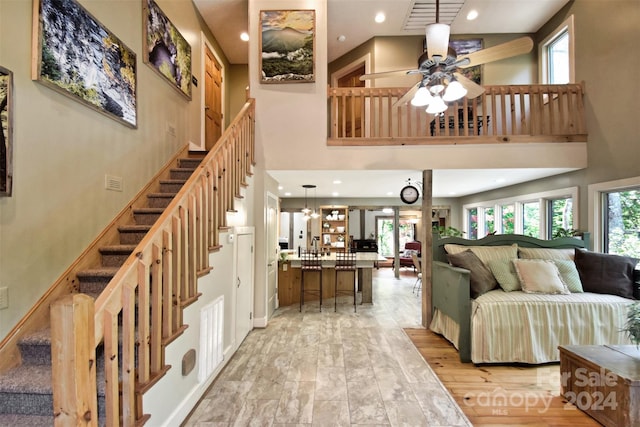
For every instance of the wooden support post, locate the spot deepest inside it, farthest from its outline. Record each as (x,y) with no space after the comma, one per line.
(427,245)
(73,356)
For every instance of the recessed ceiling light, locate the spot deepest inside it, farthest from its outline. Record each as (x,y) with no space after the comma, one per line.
(280,187)
(500,180)
(335,194)
(337,181)
(380,17)
(287,194)
(387,210)
(244,37)
(473,14)
(341,38)
(389,193)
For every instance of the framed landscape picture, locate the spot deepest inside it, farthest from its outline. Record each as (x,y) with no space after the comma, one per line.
(77,56)
(165,50)
(466,46)
(287,46)
(6,130)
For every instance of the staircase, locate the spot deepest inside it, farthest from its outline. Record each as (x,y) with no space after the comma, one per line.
(26,392)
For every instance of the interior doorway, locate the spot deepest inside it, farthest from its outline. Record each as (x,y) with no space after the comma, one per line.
(212,98)
(353,110)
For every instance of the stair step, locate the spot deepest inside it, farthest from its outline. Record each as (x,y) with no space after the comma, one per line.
(192,163)
(27,390)
(160,200)
(132,234)
(147,216)
(171,185)
(116,255)
(35,348)
(15,420)
(93,281)
(180,173)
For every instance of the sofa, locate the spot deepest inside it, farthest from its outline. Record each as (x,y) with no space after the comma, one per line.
(515,299)
(406,260)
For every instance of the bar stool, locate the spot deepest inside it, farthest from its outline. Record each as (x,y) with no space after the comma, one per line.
(345,261)
(418,266)
(310,262)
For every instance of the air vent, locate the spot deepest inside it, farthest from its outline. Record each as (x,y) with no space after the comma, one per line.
(113,183)
(423,12)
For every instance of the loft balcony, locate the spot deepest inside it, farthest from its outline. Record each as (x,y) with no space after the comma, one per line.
(502,114)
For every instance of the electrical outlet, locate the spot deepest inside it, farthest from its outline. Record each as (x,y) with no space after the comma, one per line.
(4,298)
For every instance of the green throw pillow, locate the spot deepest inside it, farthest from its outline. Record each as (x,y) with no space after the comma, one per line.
(505,274)
(569,274)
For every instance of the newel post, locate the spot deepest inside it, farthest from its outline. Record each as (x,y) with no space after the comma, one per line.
(74,361)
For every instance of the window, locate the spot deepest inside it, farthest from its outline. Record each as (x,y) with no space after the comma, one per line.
(537,215)
(531,219)
(622,222)
(556,54)
(560,216)
(384,226)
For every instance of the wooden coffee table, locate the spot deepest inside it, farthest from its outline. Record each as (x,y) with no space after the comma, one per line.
(603,381)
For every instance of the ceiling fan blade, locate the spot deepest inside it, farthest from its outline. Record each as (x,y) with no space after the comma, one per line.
(474,90)
(408,96)
(397,73)
(501,51)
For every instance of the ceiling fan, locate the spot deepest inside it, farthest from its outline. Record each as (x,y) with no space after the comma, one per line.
(441,82)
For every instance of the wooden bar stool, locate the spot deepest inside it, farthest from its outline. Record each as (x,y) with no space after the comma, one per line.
(310,262)
(345,261)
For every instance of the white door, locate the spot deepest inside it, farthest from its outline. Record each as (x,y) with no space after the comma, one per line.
(272,254)
(244,261)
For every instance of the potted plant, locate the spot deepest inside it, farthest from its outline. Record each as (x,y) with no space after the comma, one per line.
(632,327)
(447,231)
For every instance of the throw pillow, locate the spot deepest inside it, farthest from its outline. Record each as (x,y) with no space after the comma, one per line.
(481,280)
(539,276)
(485,253)
(505,273)
(606,273)
(569,274)
(545,253)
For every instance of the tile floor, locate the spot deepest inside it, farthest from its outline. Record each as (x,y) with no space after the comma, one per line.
(333,369)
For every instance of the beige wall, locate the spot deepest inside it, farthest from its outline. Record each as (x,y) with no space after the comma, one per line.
(62,150)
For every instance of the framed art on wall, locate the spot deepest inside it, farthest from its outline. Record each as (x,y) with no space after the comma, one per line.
(287,46)
(466,46)
(6,131)
(165,50)
(77,56)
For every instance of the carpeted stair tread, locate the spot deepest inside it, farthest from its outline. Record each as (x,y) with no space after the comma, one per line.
(162,195)
(31,379)
(173,181)
(15,420)
(148,210)
(100,272)
(134,228)
(120,249)
(35,348)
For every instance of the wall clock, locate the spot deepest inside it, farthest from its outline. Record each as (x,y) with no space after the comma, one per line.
(409,194)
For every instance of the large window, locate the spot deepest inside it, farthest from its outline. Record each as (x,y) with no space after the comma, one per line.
(384,227)
(622,222)
(541,215)
(556,54)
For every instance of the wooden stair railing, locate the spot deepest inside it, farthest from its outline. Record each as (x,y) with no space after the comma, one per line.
(516,113)
(140,310)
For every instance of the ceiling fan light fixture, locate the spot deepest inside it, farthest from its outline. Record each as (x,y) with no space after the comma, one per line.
(422,97)
(454,91)
(437,106)
(438,40)
(436,89)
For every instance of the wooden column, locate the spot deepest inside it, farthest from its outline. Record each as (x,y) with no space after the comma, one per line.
(73,360)
(427,245)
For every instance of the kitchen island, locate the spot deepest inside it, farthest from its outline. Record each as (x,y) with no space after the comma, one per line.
(289,278)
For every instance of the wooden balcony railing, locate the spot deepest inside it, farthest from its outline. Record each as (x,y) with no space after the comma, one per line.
(140,311)
(519,113)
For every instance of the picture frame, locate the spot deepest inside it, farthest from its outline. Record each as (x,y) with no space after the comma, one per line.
(287,46)
(77,56)
(6,132)
(166,51)
(464,47)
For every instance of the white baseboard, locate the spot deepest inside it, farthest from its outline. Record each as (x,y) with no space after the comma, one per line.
(185,407)
(260,322)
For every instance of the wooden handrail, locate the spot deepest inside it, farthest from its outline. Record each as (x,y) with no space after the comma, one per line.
(516,113)
(140,310)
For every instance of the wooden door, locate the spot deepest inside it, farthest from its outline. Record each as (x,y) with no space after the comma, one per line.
(353,110)
(212,99)
(244,273)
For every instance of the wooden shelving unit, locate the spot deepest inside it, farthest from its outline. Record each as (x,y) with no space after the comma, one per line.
(334,227)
